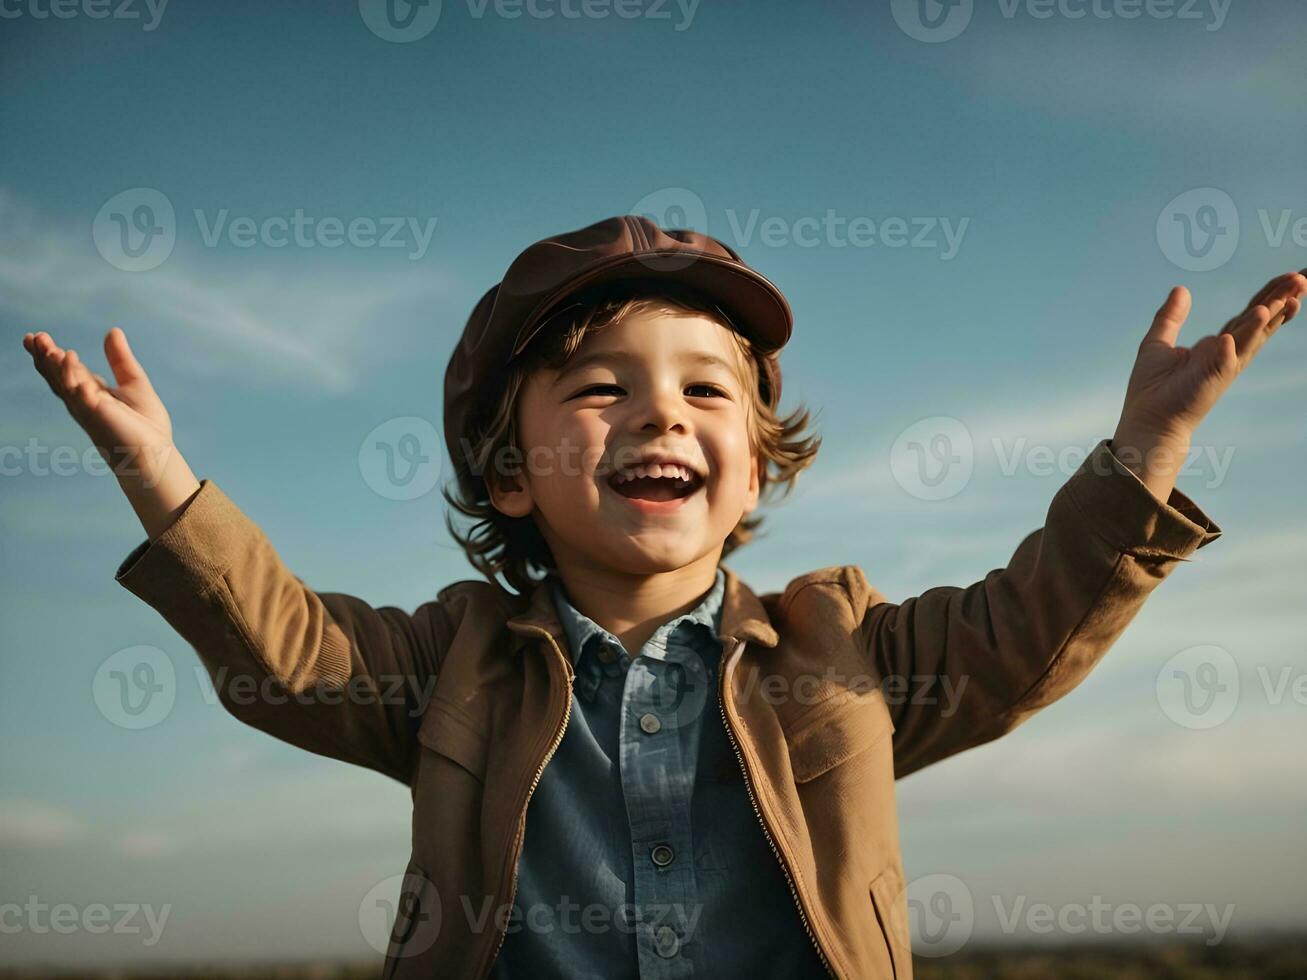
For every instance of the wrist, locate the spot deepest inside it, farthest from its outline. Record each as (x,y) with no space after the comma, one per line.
(1154,458)
(158,485)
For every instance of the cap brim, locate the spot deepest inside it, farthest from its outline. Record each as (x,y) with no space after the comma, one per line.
(756,307)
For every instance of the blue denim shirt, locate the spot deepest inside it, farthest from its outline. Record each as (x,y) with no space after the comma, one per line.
(643,856)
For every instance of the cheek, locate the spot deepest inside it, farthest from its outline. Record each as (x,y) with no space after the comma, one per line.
(734,459)
(565,452)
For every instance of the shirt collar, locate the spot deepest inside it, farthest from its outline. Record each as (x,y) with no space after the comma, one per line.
(742,616)
(580,629)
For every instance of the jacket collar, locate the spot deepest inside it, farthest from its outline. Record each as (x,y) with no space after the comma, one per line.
(742,617)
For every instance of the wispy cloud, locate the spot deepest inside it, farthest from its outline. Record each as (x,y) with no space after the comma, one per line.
(35,823)
(299,328)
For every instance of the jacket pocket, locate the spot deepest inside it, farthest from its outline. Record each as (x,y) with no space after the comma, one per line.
(891,915)
(447,729)
(417,922)
(832,733)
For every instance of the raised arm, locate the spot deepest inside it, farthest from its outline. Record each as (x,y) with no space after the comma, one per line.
(973,663)
(321,670)
(1011,644)
(324,671)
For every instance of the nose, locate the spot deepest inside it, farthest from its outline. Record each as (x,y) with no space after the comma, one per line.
(661,409)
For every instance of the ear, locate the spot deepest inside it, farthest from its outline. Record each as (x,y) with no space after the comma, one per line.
(755,483)
(511,495)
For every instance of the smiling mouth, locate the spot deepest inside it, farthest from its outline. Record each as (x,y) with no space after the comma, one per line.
(656,488)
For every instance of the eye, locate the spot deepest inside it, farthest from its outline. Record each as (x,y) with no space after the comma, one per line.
(597,388)
(713,390)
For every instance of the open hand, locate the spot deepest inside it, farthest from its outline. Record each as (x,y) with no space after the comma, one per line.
(1172,388)
(127,424)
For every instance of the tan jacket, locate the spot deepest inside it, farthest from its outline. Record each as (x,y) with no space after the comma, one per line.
(828,691)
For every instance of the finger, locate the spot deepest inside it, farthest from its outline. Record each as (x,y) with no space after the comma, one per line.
(126,368)
(1225,359)
(1290,310)
(1256,329)
(48,359)
(1265,293)
(71,374)
(1170,317)
(82,384)
(45,347)
(1266,312)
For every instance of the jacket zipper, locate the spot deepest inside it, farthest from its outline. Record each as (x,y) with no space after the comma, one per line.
(521,830)
(748,785)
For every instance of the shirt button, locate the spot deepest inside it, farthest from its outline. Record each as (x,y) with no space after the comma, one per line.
(665,942)
(649,722)
(662,855)
(607,654)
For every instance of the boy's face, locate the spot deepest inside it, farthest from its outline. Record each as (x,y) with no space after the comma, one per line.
(653,382)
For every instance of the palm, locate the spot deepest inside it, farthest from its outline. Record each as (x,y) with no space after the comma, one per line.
(121,421)
(1172,388)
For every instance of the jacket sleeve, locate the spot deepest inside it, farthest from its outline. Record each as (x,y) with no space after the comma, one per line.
(962,666)
(321,670)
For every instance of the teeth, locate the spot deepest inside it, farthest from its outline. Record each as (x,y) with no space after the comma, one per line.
(655,470)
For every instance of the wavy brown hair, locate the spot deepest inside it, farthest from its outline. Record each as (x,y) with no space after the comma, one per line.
(513,546)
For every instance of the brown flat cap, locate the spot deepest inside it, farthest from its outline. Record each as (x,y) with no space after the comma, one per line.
(627,247)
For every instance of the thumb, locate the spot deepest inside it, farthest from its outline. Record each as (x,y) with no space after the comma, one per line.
(1170,317)
(126,368)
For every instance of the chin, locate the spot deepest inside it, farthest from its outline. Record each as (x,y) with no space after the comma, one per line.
(636,561)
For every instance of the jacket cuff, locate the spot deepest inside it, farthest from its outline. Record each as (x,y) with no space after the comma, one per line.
(1125,514)
(191,553)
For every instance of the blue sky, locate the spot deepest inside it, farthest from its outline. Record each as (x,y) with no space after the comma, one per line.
(1044,167)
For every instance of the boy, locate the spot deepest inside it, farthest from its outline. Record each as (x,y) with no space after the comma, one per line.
(722,792)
